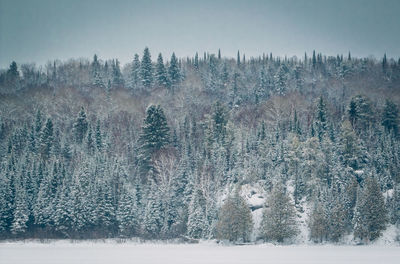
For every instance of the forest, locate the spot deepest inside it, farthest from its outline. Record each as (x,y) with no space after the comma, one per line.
(168,148)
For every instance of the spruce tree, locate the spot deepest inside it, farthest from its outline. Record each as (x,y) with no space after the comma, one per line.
(173,71)
(146,69)
(234,219)
(197,226)
(80,126)
(279,217)
(155,130)
(117,79)
(46,139)
(280,80)
(318,224)
(390,117)
(154,136)
(135,79)
(161,74)
(370,216)
(127,214)
(321,122)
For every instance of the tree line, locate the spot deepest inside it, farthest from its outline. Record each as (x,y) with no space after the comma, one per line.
(302,129)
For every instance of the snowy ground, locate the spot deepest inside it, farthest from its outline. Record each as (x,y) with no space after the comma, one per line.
(109,252)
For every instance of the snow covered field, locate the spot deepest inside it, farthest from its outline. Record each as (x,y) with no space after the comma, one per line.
(88,253)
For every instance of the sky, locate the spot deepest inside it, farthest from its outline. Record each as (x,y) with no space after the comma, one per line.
(36,31)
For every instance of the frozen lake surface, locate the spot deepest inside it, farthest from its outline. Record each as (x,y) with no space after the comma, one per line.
(99,253)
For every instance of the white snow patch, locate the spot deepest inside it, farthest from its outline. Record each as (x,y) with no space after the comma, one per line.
(152,253)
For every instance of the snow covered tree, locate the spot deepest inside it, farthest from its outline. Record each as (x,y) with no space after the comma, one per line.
(360,112)
(127,213)
(280,80)
(117,79)
(46,139)
(135,79)
(390,117)
(234,219)
(370,216)
(80,126)
(197,226)
(152,220)
(321,122)
(161,73)
(154,136)
(173,70)
(318,224)
(279,217)
(146,69)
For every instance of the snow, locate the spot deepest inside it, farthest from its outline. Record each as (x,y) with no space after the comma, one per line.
(148,253)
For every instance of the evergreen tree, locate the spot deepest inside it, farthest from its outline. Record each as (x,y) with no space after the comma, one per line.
(127,214)
(360,112)
(197,226)
(220,121)
(146,69)
(152,221)
(99,137)
(234,219)
(161,74)
(21,213)
(155,130)
(321,122)
(279,218)
(117,79)
(390,117)
(135,79)
(96,75)
(80,126)
(46,139)
(196,62)
(384,63)
(370,213)
(318,224)
(280,80)
(173,71)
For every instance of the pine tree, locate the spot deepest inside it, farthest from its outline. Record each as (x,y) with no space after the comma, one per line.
(99,137)
(127,214)
(234,219)
(117,80)
(280,80)
(220,121)
(152,221)
(21,212)
(390,117)
(135,79)
(155,130)
(96,75)
(360,112)
(173,71)
(80,126)
(146,69)
(46,139)
(384,63)
(161,73)
(196,62)
(318,224)
(90,144)
(321,122)
(197,226)
(279,218)
(370,216)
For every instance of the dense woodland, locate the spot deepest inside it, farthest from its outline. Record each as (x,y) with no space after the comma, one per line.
(161,149)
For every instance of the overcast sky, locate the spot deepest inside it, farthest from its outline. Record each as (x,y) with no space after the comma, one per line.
(42,30)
